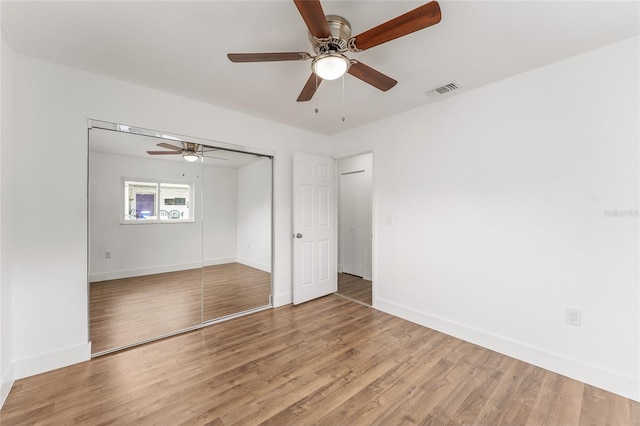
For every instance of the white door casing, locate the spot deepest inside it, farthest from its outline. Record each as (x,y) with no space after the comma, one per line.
(314,228)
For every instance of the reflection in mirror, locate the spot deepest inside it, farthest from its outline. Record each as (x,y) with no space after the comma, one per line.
(166,234)
(145,255)
(238,216)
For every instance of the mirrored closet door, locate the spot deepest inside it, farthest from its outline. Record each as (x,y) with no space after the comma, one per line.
(237,234)
(179,234)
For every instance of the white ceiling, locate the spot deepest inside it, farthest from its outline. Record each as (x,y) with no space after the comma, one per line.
(180,47)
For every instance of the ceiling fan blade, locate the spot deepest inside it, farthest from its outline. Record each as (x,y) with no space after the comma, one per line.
(169,146)
(371,76)
(309,88)
(417,19)
(313,15)
(268,57)
(164,152)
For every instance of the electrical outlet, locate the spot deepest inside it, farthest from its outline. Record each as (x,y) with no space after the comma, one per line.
(572,316)
(107,255)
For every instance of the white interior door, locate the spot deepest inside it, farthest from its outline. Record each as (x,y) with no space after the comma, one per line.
(314,228)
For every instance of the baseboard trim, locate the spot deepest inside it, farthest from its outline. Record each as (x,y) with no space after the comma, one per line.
(609,380)
(219,261)
(8,379)
(254,264)
(282,299)
(116,275)
(52,360)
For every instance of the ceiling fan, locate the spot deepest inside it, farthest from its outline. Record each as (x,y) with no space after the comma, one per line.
(189,151)
(330,37)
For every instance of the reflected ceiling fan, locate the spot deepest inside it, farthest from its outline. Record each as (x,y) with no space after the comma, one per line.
(189,151)
(330,37)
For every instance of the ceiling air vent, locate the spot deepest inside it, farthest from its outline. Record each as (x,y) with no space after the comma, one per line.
(442,90)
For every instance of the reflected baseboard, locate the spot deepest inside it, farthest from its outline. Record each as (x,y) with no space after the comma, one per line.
(219,261)
(254,264)
(116,275)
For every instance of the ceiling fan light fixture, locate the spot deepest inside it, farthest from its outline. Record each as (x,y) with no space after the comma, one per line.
(190,156)
(330,66)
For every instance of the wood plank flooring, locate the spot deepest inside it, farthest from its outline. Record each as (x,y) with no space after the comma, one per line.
(131,310)
(326,362)
(232,288)
(355,288)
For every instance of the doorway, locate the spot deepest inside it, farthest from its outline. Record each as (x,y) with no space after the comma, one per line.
(354,229)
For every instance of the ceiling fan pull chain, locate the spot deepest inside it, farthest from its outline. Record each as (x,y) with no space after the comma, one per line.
(342,97)
(316,75)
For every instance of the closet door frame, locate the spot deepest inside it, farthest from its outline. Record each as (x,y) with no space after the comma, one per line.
(168,137)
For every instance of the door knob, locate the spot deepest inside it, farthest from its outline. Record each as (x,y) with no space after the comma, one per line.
(298,235)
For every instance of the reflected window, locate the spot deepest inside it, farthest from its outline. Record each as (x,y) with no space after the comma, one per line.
(153,201)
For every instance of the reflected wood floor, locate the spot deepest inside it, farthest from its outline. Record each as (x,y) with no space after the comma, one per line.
(135,309)
(327,362)
(232,288)
(355,287)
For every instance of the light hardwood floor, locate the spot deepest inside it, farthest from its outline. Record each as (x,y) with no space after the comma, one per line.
(328,362)
(355,288)
(131,310)
(232,288)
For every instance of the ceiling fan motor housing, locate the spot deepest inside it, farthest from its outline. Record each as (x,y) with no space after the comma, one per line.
(340,30)
(190,146)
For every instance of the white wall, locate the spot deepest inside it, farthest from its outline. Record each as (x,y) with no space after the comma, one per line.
(361,164)
(254,215)
(49,253)
(499,201)
(220,226)
(142,249)
(6,218)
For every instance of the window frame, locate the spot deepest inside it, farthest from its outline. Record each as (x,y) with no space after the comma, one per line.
(158,182)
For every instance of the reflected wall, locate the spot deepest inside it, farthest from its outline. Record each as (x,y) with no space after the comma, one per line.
(236,286)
